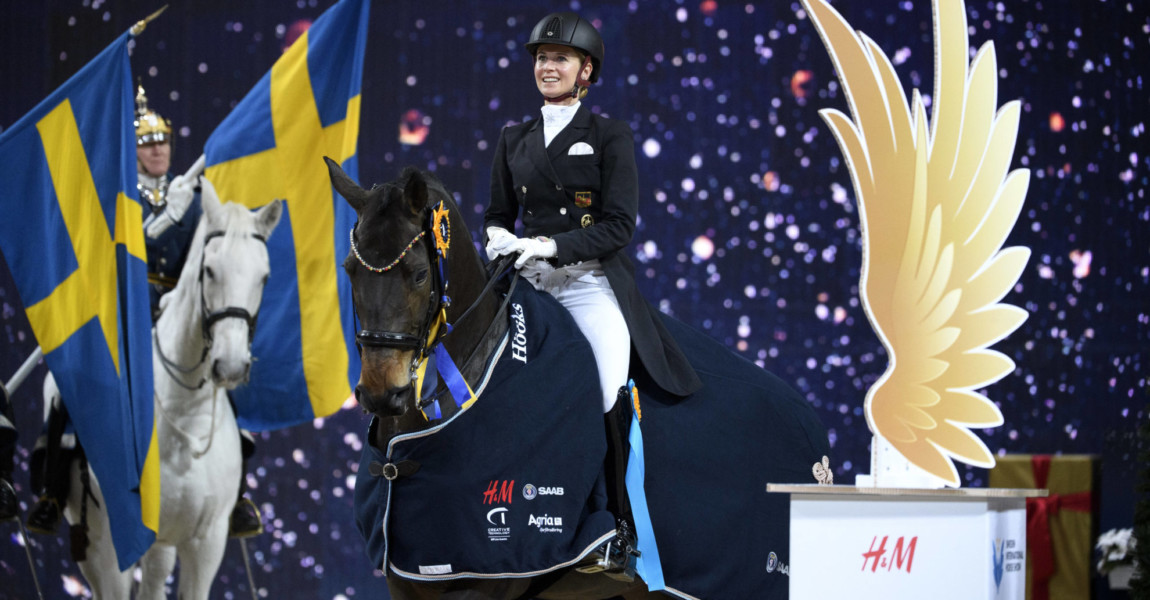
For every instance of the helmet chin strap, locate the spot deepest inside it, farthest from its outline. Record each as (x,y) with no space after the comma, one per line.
(580,83)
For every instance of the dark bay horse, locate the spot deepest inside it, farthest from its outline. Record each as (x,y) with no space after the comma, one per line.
(708,456)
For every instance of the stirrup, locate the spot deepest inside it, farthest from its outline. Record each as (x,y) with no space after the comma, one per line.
(245,520)
(615,559)
(44,518)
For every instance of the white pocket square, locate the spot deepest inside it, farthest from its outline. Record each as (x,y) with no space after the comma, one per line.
(580,149)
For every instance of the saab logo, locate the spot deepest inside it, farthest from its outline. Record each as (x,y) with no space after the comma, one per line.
(519,339)
(529,492)
(546,524)
(774,564)
(498,517)
(550,491)
(903,552)
(499,492)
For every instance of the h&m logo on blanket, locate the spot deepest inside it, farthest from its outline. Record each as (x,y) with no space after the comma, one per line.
(519,339)
(499,492)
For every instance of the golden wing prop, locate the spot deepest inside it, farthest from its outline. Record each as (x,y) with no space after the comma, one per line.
(935,211)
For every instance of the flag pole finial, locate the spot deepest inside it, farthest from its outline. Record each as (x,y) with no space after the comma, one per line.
(138,28)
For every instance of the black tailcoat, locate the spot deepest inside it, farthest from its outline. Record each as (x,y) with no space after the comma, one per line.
(588,204)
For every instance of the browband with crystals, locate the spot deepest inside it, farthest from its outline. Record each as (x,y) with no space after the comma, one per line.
(355,250)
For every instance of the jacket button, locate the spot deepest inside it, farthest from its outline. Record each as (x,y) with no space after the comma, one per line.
(563,210)
(524,189)
(558,187)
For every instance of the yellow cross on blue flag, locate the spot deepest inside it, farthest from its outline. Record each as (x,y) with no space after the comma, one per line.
(272,146)
(73,238)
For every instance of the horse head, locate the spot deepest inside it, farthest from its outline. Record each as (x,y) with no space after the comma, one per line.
(390,267)
(232,275)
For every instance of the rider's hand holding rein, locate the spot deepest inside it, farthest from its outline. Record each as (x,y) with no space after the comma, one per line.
(531,249)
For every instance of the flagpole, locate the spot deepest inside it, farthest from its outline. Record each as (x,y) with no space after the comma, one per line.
(24,370)
(138,28)
(10,387)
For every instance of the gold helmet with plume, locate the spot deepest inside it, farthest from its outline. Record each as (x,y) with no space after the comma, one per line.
(151,128)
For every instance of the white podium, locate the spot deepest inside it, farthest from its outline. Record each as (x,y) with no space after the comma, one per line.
(890,543)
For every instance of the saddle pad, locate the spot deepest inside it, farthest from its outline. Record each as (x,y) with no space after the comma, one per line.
(508,487)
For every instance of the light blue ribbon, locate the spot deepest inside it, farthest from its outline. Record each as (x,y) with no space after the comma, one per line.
(647,565)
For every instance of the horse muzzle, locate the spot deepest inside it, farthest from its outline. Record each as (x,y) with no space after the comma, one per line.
(391,403)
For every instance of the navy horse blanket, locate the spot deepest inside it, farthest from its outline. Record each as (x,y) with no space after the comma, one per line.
(512,486)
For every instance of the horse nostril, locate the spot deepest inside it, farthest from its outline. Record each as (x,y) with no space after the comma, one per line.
(216,369)
(357,400)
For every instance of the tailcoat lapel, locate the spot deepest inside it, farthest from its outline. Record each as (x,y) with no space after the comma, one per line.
(536,152)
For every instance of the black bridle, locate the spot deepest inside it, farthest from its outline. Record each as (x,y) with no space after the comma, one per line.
(422,343)
(207,319)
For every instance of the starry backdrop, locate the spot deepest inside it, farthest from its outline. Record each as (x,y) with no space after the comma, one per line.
(748,225)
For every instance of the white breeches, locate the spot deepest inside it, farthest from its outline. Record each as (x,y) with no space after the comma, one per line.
(587,295)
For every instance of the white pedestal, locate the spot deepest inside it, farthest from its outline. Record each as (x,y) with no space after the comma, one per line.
(889,543)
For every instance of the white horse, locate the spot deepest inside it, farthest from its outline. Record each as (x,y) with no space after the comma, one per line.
(201,348)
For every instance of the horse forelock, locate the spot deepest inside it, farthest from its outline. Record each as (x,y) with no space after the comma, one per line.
(239,224)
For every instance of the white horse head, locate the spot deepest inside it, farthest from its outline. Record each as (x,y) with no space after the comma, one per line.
(231,244)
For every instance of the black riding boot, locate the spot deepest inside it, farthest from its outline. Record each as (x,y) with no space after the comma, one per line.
(9,503)
(617,558)
(245,520)
(53,478)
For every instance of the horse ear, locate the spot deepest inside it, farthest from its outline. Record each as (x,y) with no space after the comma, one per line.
(268,216)
(210,201)
(415,191)
(356,196)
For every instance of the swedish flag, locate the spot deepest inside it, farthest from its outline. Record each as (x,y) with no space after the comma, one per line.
(272,146)
(73,238)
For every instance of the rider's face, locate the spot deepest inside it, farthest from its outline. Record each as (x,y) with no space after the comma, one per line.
(556,68)
(154,159)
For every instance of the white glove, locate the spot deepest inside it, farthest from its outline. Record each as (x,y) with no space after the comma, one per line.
(181,190)
(499,242)
(180,193)
(533,249)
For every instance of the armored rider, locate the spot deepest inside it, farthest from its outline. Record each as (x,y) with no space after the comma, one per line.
(572,175)
(172,215)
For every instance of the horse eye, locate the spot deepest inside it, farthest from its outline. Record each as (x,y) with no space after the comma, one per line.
(421,276)
(208,271)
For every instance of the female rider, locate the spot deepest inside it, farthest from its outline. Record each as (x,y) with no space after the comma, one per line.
(573,175)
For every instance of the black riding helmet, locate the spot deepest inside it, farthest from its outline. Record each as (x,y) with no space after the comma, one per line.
(569,29)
